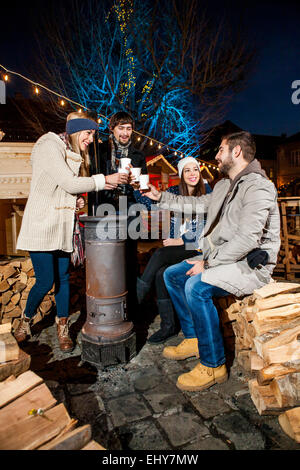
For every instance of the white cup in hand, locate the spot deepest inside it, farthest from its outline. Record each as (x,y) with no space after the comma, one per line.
(136,173)
(123,170)
(144,180)
(124,163)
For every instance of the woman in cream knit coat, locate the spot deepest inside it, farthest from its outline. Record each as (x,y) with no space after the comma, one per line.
(48,221)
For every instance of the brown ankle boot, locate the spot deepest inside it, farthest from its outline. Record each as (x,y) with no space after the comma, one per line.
(23,330)
(65,342)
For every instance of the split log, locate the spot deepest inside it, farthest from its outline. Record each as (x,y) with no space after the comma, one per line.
(16,298)
(6,296)
(4,286)
(26,265)
(30,273)
(270,372)
(284,347)
(45,306)
(12,280)
(19,286)
(16,263)
(277,301)
(7,271)
(274,288)
(267,320)
(93,445)
(23,278)
(256,362)
(36,431)
(12,313)
(259,342)
(16,388)
(9,348)
(287,390)
(18,410)
(290,423)
(73,440)
(263,398)
(16,367)
(243,358)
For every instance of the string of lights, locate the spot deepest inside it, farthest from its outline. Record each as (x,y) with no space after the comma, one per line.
(63,99)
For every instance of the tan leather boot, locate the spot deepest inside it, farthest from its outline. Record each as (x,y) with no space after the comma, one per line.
(187,348)
(23,330)
(65,342)
(202,377)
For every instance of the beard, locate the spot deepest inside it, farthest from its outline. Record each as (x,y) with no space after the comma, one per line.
(226,165)
(124,144)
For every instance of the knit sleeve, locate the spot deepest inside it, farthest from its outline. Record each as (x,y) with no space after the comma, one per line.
(146,201)
(208,188)
(50,157)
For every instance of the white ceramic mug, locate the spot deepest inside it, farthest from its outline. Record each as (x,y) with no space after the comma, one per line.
(124,162)
(144,180)
(136,173)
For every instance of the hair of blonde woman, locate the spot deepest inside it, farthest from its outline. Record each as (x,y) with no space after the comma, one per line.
(74,142)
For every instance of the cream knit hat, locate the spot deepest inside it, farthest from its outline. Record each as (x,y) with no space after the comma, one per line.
(184,161)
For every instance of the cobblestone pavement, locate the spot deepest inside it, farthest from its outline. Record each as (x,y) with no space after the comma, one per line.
(137,406)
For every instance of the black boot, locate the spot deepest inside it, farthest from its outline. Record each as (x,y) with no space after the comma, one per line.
(168,326)
(142,289)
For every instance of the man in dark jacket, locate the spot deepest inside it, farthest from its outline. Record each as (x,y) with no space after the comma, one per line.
(118,145)
(106,161)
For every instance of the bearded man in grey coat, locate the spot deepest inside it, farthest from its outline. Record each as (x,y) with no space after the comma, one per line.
(239,246)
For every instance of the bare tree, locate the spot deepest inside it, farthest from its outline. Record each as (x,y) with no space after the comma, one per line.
(168,63)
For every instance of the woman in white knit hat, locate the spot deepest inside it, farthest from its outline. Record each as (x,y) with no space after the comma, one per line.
(59,173)
(178,247)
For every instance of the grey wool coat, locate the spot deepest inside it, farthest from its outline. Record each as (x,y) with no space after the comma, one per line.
(241,215)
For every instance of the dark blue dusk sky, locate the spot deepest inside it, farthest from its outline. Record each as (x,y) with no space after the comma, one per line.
(263,107)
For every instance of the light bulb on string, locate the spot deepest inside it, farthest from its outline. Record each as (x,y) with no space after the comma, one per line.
(62,103)
(36,90)
(5,78)
(151,143)
(99,120)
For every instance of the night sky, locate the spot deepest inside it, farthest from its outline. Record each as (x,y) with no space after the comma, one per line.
(264,107)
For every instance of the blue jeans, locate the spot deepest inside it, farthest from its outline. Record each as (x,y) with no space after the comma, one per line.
(49,267)
(192,299)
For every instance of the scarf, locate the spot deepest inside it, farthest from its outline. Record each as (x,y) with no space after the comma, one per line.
(118,151)
(64,138)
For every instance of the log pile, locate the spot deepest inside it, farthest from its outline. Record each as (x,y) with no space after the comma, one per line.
(31,419)
(267,344)
(17,278)
(13,361)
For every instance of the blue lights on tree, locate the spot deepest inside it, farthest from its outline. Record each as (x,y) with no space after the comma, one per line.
(165,62)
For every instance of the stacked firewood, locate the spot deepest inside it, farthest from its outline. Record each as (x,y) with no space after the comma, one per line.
(267,344)
(17,278)
(31,418)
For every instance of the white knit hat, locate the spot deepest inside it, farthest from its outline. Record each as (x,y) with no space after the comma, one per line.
(181,164)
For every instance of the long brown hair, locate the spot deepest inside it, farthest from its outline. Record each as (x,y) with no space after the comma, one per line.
(73,140)
(198,190)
